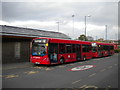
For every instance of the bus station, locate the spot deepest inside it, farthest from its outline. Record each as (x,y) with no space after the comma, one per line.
(64,45)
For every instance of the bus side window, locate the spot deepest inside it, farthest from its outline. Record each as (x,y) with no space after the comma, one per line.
(84,48)
(73,48)
(61,48)
(68,48)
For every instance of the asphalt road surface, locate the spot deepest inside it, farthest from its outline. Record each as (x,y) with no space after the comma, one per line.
(103,74)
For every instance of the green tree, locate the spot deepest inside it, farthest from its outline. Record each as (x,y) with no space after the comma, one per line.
(83,38)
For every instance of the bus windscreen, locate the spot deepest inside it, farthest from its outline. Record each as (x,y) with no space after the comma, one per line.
(38,49)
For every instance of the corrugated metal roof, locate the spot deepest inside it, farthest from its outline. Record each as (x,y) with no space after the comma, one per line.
(28,32)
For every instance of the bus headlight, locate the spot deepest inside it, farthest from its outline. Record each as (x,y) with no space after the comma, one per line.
(37,63)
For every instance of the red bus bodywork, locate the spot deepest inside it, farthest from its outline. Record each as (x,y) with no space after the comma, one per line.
(80,50)
(103,49)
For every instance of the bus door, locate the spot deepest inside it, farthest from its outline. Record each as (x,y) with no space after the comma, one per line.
(78,51)
(100,48)
(53,52)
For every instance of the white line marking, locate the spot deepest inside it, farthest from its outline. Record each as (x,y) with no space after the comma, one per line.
(92,75)
(102,70)
(75,81)
(110,67)
(83,86)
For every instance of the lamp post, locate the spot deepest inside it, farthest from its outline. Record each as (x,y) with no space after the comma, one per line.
(73,24)
(85,25)
(106,32)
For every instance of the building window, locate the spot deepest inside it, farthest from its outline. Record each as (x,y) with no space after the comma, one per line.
(17,50)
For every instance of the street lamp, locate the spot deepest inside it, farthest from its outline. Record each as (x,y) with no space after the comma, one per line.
(73,24)
(106,32)
(85,25)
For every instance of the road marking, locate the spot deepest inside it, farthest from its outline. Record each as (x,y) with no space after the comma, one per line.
(48,69)
(38,67)
(83,86)
(31,72)
(110,67)
(11,76)
(76,81)
(102,70)
(15,67)
(94,87)
(115,64)
(92,75)
(109,86)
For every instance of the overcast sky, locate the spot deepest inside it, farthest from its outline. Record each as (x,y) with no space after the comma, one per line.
(44,15)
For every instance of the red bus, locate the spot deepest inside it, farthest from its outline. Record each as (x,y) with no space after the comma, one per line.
(55,51)
(102,49)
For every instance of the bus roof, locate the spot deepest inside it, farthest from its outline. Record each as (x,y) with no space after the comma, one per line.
(54,40)
(105,43)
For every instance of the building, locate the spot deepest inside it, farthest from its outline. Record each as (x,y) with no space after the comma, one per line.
(16,42)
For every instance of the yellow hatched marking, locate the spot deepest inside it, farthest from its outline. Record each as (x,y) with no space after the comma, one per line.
(48,69)
(94,87)
(11,76)
(31,72)
(38,67)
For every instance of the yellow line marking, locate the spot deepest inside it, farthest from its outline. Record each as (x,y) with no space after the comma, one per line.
(11,76)
(48,69)
(92,75)
(94,87)
(38,67)
(110,67)
(15,67)
(75,81)
(83,86)
(31,72)
(102,70)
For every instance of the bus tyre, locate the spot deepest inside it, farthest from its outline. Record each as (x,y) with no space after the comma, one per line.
(84,58)
(61,60)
